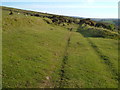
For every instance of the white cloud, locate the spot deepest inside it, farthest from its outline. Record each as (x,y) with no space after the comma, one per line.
(59,0)
(97,9)
(42,0)
(34,6)
(90,1)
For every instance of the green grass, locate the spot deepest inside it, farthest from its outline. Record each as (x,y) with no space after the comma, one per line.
(110,50)
(108,21)
(33,51)
(85,68)
(41,55)
(90,31)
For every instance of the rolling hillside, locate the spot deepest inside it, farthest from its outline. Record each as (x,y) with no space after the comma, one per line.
(50,51)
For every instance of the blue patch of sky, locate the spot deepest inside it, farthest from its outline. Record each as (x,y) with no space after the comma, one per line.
(81,9)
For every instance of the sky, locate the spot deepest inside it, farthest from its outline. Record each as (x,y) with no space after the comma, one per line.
(80,8)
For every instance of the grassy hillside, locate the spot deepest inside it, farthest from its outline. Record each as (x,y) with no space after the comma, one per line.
(38,53)
(90,31)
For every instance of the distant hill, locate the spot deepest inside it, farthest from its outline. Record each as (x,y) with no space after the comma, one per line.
(111,21)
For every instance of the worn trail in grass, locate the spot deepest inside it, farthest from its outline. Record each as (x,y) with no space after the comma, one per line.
(43,55)
(64,62)
(84,67)
(105,58)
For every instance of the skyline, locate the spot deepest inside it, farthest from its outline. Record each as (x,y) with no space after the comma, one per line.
(79,8)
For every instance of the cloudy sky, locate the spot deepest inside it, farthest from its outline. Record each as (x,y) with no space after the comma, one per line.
(81,8)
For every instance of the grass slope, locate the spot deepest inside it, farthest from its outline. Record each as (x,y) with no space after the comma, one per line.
(33,51)
(41,55)
(84,66)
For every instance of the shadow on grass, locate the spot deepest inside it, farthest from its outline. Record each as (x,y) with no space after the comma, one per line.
(89,32)
(94,32)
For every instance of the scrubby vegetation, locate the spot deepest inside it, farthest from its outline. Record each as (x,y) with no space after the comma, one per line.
(43,50)
(115,23)
(90,31)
